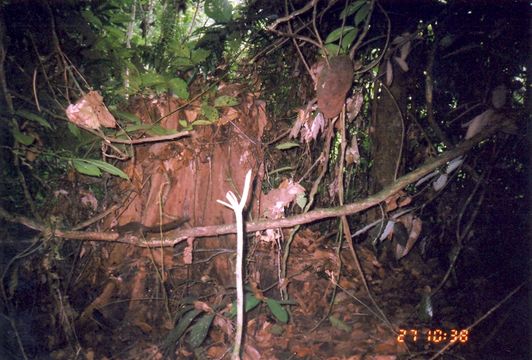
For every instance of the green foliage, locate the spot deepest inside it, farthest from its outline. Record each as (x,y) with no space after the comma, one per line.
(21,137)
(339,324)
(252,302)
(277,310)
(352,8)
(184,319)
(195,321)
(225,100)
(95,167)
(199,331)
(25,114)
(340,39)
(209,112)
(287,145)
(338,33)
(219,10)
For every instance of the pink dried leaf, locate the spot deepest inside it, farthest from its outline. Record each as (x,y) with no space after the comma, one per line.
(389,73)
(402,64)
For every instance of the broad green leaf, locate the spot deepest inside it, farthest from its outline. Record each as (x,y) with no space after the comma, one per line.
(74,130)
(225,100)
(158,130)
(351,9)
(219,10)
(114,33)
(179,88)
(276,329)
(34,117)
(151,78)
(281,169)
(233,43)
(198,331)
(210,112)
(86,168)
(91,18)
(181,63)
(348,38)
(301,200)
(132,118)
(202,123)
(337,33)
(199,55)
(22,138)
(361,14)
(106,167)
(120,18)
(179,50)
(277,310)
(160,88)
(339,324)
(132,128)
(333,49)
(287,145)
(183,123)
(250,304)
(184,322)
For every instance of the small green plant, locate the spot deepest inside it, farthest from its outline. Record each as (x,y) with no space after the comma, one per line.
(276,307)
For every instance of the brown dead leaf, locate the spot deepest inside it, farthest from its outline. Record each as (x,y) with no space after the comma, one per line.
(228,115)
(145,327)
(415,231)
(397,200)
(303,351)
(188,251)
(216,352)
(274,203)
(257,292)
(303,115)
(203,306)
(90,112)
(262,336)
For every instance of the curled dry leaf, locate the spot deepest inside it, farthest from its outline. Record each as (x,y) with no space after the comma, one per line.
(318,124)
(274,203)
(188,253)
(303,116)
(203,306)
(402,64)
(352,155)
(89,200)
(413,224)
(353,105)
(415,231)
(389,73)
(229,114)
(405,49)
(479,122)
(397,200)
(90,112)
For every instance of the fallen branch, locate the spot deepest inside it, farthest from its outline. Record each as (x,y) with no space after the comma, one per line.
(309,217)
